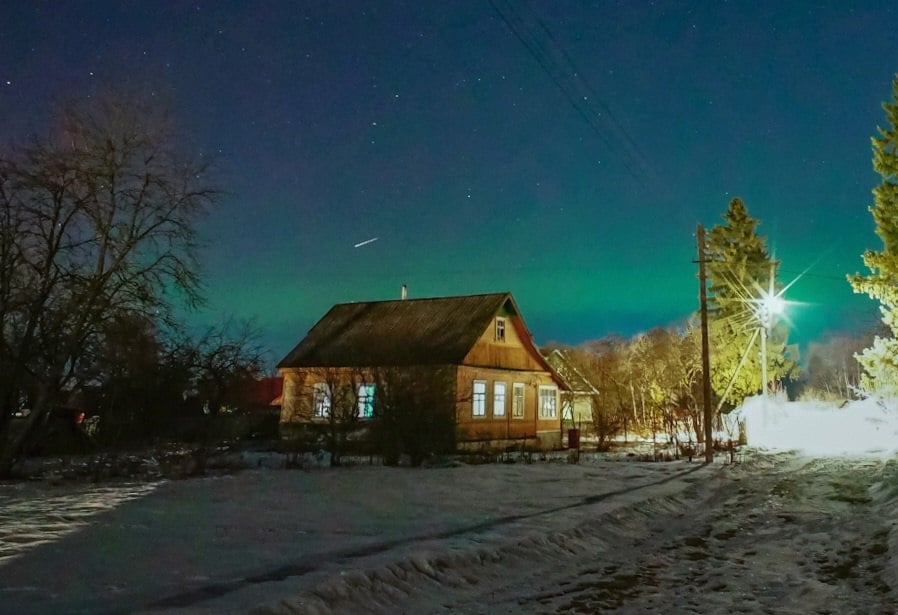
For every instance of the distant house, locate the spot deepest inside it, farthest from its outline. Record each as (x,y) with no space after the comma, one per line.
(577,401)
(502,389)
(265,393)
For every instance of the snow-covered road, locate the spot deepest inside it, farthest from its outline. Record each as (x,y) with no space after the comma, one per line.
(776,533)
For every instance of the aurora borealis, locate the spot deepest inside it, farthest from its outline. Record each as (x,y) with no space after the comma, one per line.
(562,151)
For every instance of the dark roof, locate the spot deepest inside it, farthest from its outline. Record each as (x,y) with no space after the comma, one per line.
(438,331)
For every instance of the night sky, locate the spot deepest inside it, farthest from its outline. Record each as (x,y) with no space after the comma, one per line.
(564,151)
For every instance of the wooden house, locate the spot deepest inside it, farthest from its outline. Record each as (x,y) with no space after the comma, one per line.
(577,401)
(477,347)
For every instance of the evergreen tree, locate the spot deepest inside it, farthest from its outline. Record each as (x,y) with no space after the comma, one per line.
(880,361)
(739,271)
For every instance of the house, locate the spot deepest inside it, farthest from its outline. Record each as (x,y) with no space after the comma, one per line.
(265,393)
(474,352)
(576,403)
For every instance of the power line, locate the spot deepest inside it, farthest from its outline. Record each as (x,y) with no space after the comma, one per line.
(627,139)
(569,81)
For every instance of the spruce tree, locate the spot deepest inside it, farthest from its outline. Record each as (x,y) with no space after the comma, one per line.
(880,361)
(739,271)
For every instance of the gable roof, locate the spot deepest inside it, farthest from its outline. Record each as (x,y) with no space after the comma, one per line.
(437,331)
(572,376)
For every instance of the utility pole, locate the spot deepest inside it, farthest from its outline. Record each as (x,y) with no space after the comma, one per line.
(766,318)
(706,353)
(764,356)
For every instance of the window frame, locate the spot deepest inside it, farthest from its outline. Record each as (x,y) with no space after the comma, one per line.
(500,329)
(478,398)
(518,412)
(500,404)
(365,401)
(541,408)
(322,401)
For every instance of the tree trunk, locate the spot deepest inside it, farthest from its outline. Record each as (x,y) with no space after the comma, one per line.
(12,446)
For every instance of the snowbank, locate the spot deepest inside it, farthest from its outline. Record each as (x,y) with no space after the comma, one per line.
(867,427)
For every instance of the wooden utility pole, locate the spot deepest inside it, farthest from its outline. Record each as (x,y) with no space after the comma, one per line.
(706,354)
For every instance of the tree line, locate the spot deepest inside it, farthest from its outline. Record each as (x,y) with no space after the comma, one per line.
(98,251)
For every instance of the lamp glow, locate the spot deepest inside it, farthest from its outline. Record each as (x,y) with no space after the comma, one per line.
(772,305)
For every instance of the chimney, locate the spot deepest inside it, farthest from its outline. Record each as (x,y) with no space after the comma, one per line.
(403,294)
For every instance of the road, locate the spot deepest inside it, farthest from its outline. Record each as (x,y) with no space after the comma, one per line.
(776,533)
(793,535)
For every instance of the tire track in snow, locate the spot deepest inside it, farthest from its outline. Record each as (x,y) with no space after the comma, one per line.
(806,536)
(311,564)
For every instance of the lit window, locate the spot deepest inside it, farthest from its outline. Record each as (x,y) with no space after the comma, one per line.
(365,396)
(500,329)
(322,400)
(517,407)
(548,402)
(478,403)
(498,399)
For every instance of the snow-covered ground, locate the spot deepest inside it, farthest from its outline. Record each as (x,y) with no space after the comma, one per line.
(869,426)
(779,532)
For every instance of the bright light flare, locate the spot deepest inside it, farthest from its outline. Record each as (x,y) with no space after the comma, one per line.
(772,304)
(860,428)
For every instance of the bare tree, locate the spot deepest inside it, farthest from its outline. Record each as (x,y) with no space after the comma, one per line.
(833,371)
(415,412)
(229,359)
(608,369)
(97,223)
(688,372)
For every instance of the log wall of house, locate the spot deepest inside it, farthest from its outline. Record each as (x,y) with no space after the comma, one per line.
(493,426)
(297,403)
(511,353)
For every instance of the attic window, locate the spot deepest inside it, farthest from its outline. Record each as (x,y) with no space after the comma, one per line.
(500,329)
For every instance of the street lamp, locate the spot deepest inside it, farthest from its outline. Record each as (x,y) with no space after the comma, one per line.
(769,306)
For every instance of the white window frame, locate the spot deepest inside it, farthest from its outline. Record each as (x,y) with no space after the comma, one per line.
(500,329)
(518,397)
(499,398)
(365,395)
(548,411)
(478,399)
(321,400)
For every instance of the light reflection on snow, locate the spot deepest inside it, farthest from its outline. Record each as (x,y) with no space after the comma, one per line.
(867,427)
(32,514)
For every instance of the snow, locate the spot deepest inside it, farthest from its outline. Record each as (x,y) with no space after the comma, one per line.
(780,532)
(866,427)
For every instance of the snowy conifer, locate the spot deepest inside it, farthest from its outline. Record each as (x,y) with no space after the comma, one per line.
(880,361)
(739,270)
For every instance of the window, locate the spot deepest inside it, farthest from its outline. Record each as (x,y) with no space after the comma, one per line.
(517,406)
(478,401)
(548,402)
(500,329)
(321,400)
(498,399)
(365,397)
